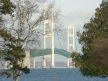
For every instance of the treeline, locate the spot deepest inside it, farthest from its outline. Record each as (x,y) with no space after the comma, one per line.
(94,41)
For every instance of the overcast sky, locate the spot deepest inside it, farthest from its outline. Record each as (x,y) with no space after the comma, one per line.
(77,12)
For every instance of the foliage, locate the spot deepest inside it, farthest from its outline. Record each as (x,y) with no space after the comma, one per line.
(76,57)
(13,54)
(94,43)
(6,6)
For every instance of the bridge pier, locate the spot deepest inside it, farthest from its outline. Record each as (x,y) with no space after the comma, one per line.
(33,63)
(68,65)
(5,65)
(26,61)
(52,60)
(44,62)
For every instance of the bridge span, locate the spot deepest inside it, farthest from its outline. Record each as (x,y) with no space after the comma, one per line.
(49,34)
(32,53)
(42,52)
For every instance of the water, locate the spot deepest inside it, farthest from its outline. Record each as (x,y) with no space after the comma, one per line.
(57,74)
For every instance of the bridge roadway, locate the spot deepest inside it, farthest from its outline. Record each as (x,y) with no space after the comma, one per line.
(41,52)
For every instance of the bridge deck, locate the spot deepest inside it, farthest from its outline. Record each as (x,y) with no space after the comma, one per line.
(41,52)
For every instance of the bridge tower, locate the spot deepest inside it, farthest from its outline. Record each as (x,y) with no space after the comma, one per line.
(49,33)
(70,42)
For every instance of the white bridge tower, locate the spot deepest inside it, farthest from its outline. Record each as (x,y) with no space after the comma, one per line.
(49,33)
(70,43)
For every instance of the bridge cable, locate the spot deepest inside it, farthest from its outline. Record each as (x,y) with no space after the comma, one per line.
(61,45)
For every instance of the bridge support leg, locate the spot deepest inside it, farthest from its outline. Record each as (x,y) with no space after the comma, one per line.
(34,63)
(44,62)
(68,65)
(52,60)
(27,59)
(5,65)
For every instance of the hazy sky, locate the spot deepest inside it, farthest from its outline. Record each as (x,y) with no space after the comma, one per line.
(77,12)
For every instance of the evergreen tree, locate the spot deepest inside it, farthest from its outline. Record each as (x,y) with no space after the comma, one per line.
(10,51)
(6,6)
(94,60)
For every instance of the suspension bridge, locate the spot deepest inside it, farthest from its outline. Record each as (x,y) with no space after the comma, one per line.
(52,51)
(49,34)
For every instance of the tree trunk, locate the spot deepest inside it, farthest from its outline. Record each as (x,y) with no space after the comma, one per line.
(15,79)
(15,76)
